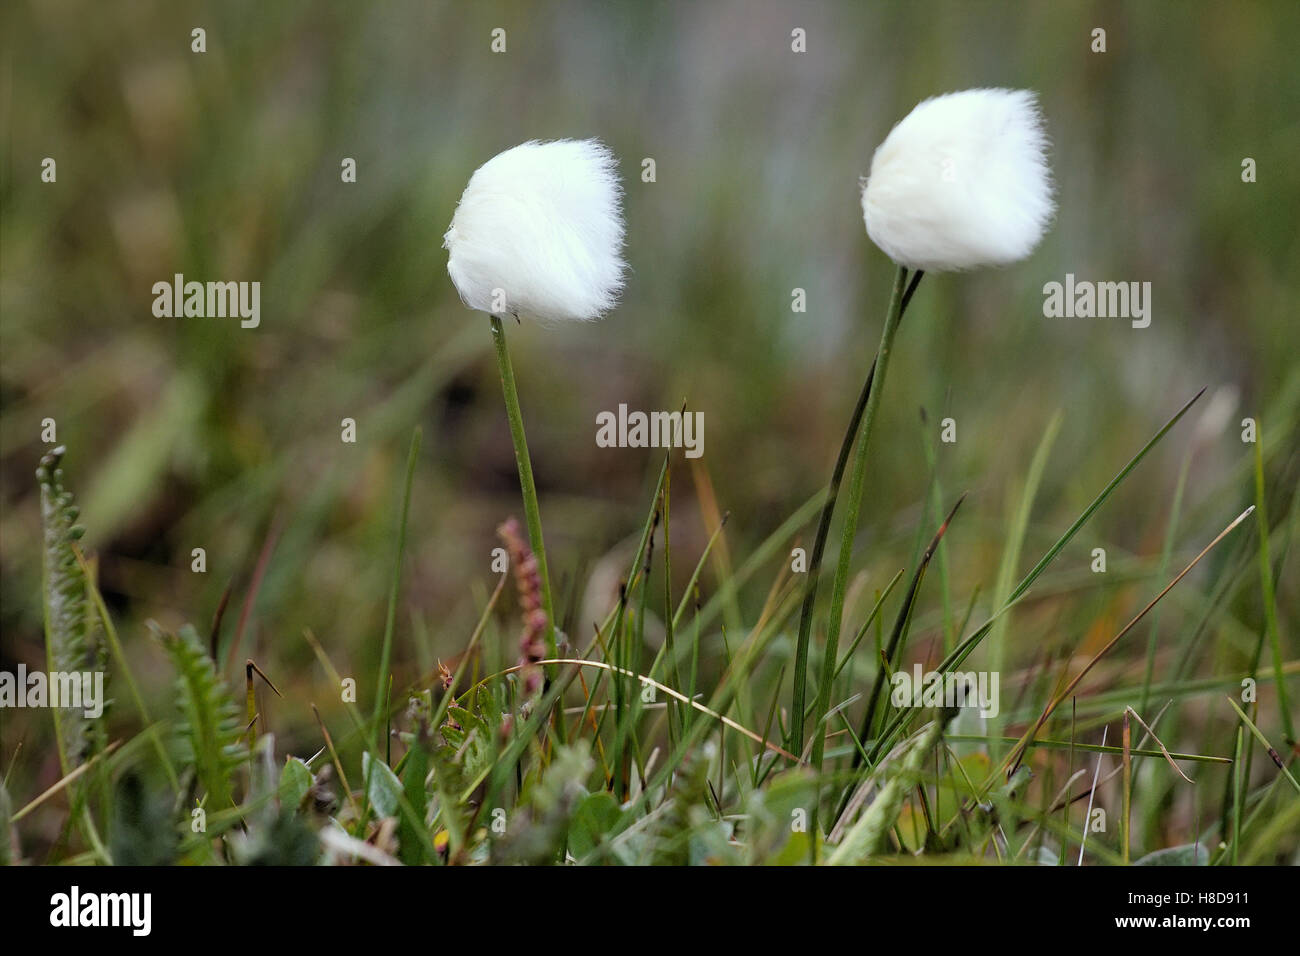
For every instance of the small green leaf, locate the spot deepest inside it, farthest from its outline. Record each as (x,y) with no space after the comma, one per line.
(384,789)
(1189,854)
(295,781)
(415,773)
(467,720)
(797,850)
(595,816)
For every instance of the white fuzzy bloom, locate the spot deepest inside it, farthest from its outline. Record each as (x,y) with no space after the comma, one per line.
(961,182)
(539,232)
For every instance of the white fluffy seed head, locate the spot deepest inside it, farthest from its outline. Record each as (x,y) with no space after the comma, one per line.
(961,182)
(539,232)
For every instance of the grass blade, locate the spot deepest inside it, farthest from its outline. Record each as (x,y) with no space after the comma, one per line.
(967,646)
(849,530)
(1017,753)
(823,532)
(1268,595)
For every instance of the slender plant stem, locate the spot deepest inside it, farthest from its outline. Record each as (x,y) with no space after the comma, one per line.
(532,514)
(1127,797)
(850,528)
(798,705)
(1268,594)
(1170,533)
(394,585)
(1238,794)
(888,656)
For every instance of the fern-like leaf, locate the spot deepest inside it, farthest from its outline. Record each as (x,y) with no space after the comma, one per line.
(209,732)
(70,631)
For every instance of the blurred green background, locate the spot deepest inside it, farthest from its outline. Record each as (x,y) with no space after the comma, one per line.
(185,433)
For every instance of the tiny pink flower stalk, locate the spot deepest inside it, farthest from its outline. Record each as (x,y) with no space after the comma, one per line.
(532,643)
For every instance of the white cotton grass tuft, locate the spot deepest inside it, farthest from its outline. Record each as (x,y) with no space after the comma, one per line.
(961,182)
(539,232)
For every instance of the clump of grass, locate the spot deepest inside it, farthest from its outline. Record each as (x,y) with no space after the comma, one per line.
(666,761)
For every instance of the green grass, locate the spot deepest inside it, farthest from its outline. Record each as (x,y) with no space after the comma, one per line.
(474,773)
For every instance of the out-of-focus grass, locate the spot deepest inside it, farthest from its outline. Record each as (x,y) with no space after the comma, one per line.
(225,165)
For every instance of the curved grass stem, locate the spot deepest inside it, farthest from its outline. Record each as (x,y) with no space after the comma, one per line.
(798,706)
(857,482)
(532,514)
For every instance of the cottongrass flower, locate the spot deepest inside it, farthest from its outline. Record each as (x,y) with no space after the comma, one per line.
(961,182)
(539,233)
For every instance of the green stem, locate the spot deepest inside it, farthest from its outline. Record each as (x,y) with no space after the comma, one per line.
(394,586)
(1161,572)
(857,482)
(532,514)
(798,706)
(1268,594)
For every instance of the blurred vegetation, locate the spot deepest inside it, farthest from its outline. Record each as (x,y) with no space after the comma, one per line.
(188,433)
